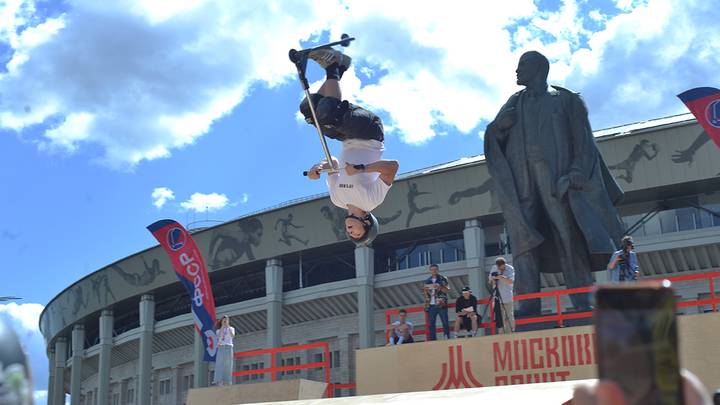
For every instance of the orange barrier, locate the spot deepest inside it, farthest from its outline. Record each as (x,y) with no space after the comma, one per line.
(559,316)
(274,369)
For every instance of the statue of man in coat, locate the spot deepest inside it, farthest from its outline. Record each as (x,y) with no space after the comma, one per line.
(557,195)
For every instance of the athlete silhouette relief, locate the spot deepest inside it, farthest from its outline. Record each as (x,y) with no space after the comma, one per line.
(641,150)
(285,236)
(140,279)
(387,220)
(101,281)
(412,194)
(336,217)
(485,187)
(79,299)
(228,246)
(688,155)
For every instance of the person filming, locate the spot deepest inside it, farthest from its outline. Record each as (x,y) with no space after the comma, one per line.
(502,277)
(623,265)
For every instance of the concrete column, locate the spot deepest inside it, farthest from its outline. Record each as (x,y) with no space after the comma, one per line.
(51,375)
(346,351)
(176,387)
(365,279)
(200,368)
(274,295)
(106,343)
(59,382)
(474,238)
(124,385)
(78,350)
(147,324)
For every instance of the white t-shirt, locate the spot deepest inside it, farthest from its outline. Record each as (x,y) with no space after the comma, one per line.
(433,300)
(225,336)
(363,190)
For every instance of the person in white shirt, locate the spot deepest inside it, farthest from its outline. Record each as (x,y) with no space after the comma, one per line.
(224,357)
(363,178)
(401,330)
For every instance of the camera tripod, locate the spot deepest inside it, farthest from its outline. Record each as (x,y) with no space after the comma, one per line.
(496,298)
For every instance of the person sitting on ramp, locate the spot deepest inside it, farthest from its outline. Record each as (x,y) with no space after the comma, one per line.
(362,179)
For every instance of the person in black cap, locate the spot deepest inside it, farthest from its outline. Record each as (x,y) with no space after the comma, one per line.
(364,178)
(466,313)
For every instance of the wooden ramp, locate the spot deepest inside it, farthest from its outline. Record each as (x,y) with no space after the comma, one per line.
(543,393)
(270,392)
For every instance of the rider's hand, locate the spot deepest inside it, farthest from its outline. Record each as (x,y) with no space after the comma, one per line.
(314,172)
(351,170)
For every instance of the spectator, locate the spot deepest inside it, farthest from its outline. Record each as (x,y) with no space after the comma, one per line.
(623,265)
(435,291)
(401,330)
(466,312)
(224,358)
(502,276)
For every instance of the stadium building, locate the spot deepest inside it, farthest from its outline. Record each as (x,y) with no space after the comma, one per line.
(287,275)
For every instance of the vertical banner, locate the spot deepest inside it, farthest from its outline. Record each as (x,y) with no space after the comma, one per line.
(190,269)
(704,103)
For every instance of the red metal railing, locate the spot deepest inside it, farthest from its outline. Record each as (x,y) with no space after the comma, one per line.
(274,369)
(559,316)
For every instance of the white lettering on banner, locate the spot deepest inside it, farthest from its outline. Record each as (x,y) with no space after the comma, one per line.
(192,268)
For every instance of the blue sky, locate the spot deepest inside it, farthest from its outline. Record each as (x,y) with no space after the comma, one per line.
(102,103)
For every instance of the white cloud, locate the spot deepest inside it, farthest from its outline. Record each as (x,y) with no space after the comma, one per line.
(200,202)
(140,79)
(23,319)
(161,195)
(40,397)
(245,198)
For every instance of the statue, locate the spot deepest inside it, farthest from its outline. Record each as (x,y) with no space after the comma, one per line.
(556,193)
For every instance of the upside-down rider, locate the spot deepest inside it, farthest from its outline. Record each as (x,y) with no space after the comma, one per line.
(363,178)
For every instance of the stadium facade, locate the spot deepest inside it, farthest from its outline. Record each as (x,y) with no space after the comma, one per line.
(287,275)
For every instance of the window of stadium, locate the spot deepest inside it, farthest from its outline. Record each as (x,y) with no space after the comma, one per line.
(305,270)
(407,255)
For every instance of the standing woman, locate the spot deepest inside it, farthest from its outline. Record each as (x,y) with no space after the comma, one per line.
(224,357)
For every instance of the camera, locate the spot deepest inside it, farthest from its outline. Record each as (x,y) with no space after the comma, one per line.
(494,273)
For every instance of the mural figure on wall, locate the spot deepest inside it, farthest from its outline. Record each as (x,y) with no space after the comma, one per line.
(286,236)
(58,315)
(485,187)
(688,154)
(145,278)
(413,193)
(228,246)
(391,218)
(336,217)
(79,299)
(557,194)
(100,281)
(639,151)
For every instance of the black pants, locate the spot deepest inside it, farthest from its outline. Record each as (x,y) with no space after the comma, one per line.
(342,120)
(395,339)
